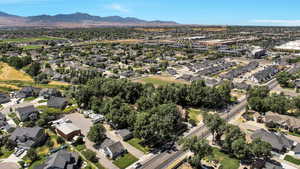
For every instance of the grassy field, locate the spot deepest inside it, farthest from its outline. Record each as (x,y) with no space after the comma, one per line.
(125,160)
(22,40)
(29,47)
(224,159)
(9,73)
(292,159)
(195,114)
(160,80)
(135,142)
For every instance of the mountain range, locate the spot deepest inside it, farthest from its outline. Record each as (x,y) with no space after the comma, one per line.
(75,20)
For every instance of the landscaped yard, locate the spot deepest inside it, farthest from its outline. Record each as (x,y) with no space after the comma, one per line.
(28,47)
(292,159)
(224,159)
(135,142)
(125,160)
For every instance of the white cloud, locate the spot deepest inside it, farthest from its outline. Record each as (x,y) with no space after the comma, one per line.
(278,22)
(118,7)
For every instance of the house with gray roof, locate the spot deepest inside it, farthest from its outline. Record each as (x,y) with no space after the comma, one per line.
(62,160)
(28,137)
(27,92)
(27,113)
(4,98)
(279,142)
(57,102)
(111,148)
(47,93)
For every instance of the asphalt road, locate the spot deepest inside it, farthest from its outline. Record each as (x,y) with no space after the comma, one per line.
(164,159)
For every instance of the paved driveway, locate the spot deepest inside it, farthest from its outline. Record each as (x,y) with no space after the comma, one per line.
(84,124)
(9,165)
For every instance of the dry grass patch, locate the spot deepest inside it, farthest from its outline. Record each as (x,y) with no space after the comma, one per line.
(9,73)
(155,29)
(59,83)
(158,80)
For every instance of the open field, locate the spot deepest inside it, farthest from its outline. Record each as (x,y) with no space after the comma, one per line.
(158,80)
(22,40)
(9,73)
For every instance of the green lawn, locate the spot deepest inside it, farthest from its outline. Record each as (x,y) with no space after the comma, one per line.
(125,160)
(135,142)
(29,47)
(224,159)
(294,134)
(28,99)
(292,159)
(194,114)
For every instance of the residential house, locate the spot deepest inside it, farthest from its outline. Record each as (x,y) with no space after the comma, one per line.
(284,121)
(111,148)
(4,98)
(265,74)
(62,160)
(27,113)
(27,92)
(279,142)
(67,130)
(28,137)
(51,92)
(57,102)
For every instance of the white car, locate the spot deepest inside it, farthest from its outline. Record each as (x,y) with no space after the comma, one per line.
(137,165)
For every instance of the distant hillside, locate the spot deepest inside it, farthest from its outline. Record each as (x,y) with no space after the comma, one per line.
(75,20)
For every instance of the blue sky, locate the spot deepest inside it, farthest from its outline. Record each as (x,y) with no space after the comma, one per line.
(223,12)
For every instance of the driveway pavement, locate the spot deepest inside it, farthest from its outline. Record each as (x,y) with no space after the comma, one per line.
(9,165)
(84,124)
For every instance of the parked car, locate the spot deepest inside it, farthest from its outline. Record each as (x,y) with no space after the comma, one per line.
(137,165)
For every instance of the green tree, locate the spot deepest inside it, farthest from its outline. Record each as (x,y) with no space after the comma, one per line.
(97,133)
(260,149)
(199,147)
(32,155)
